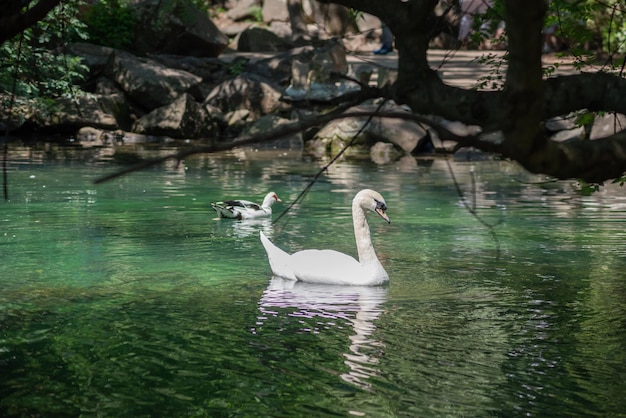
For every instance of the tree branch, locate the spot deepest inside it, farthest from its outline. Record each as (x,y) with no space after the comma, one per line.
(16,23)
(296,127)
(591,91)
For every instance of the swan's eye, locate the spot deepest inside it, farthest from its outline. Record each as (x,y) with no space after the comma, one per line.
(380,205)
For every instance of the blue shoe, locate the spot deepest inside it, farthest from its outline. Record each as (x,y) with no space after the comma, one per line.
(383,50)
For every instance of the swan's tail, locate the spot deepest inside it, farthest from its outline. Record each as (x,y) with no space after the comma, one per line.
(278,259)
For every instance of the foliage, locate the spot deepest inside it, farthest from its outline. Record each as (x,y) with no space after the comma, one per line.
(257,13)
(569,19)
(106,15)
(580,25)
(202,5)
(356,15)
(587,189)
(495,79)
(237,66)
(607,20)
(34,64)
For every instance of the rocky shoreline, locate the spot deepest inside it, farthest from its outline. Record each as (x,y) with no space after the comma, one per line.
(179,86)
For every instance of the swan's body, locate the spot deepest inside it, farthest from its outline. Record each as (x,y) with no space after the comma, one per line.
(244,209)
(333,267)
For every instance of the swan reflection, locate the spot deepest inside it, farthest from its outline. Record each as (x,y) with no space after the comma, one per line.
(358,305)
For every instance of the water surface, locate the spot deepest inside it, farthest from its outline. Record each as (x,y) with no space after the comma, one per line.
(129,298)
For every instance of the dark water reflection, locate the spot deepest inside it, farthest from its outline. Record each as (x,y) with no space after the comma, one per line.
(320,307)
(130,299)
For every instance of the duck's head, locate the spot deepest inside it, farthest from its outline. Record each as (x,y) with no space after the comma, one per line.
(270,199)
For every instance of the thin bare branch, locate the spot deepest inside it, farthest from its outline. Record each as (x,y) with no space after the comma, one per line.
(15,23)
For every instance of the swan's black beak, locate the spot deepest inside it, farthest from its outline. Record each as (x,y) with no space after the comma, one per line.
(380,210)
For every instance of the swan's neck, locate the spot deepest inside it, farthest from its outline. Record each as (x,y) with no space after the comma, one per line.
(364,246)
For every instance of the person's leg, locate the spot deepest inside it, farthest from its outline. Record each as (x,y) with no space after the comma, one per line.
(386,40)
(465,27)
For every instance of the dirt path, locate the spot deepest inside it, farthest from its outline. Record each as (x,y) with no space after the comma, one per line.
(457,68)
(461,68)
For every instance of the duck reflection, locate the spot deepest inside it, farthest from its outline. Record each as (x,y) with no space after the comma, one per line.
(358,305)
(246,227)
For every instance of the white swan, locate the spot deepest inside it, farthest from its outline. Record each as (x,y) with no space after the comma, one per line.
(333,267)
(244,209)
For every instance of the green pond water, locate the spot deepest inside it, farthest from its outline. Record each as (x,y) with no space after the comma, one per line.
(129,299)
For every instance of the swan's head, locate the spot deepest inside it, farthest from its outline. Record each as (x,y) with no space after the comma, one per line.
(270,199)
(372,200)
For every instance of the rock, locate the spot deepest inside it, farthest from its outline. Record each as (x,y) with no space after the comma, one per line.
(386,76)
(402,133)
(299,87)
(176,27)
(328,61)
(114,103)
(275,10)
(334,18)
(149,83)
(317,78)
(255,39)
(269,122)
(88,136)
(560,123)
(244,9)
(95,57)
(233,29)
(316,148)
(70,114)
(212,71)
(384,153)
(568,134)
(183,118)
(238,117)
(278,68)
(607,125)
(246,91)
(103,85)
(361,72)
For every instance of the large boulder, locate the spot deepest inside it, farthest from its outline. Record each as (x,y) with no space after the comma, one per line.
(316,77)
(212,71)
(69,114)
(183,118)
(176,27)
(278,67)
(402,133)
(246,91)
(268,123)
(149,83)
(93,56)
(255,39)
